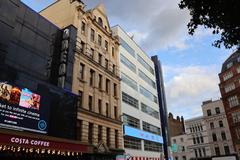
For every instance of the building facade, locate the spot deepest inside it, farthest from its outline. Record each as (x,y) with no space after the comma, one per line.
(175,126)
(38,119)
(219,135)
(95,73)
(180,147)
(140,110)
(198,145)
(229,87)
(162,104)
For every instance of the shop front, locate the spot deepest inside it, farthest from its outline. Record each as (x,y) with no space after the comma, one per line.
(27,145)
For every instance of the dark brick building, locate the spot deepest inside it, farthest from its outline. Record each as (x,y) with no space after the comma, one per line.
(175,126)
(230,91)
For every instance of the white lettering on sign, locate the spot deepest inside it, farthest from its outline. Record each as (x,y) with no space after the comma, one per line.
(64,45)
(62,69)
(61,81)
(30,142)
(66,33)
(63,58)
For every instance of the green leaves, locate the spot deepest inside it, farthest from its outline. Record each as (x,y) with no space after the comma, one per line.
(223,16)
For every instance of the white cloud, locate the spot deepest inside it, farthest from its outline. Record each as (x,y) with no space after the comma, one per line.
(139,37)
(189,87)
(158,24)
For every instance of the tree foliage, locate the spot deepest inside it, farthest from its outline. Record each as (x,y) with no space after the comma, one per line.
(222,16)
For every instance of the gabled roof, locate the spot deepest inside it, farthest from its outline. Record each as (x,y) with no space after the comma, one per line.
(101,9)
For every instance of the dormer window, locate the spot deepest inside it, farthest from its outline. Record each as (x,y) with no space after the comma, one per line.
(100,22)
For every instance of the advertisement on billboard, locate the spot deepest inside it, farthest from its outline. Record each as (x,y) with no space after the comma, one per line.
(133,132)
(20,109)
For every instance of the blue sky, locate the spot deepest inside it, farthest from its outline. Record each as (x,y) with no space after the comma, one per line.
(190,63)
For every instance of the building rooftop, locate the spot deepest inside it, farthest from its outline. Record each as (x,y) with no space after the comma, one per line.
(233,58)
(132,39)
(210,101)
(194,119)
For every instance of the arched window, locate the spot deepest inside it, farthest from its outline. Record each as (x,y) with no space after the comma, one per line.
(100,22)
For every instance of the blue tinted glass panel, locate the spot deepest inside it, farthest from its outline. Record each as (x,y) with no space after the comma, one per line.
(129,81)
(127,47)
(146,79)
(127,63)
(145,64)
(148,94)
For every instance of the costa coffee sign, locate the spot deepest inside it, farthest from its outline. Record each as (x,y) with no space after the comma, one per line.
(27,141)
(24,141)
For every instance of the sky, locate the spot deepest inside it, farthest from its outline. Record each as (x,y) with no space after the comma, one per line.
(190,63)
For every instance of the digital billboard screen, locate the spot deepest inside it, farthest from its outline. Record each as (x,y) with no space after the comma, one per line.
(21,109)
(134,132)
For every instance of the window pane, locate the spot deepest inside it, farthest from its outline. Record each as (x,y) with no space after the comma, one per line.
(145,64)
(131,121)
(236,117)
(129,81)
(146,79)
(150,111)
(127,47)
(148,94)
(229,87)
(233,101)
(152,146)
(129,100)
(227,76)
(127,63)
(81,71)
(133,143)
(151,128)
(92,35)
(217,110)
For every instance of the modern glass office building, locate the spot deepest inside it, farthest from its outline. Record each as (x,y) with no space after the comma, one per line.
(139,102)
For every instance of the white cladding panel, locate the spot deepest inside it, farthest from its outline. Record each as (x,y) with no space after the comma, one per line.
(128,109)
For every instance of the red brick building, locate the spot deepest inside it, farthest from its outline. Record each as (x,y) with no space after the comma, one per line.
(175,126)
(230,91)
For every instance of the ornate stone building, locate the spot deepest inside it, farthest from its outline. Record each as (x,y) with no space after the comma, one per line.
(217,127)
(198,144)
(179,147)
(95,73)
